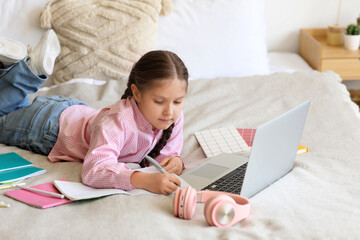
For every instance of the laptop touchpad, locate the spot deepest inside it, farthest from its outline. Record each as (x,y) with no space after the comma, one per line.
(209,171)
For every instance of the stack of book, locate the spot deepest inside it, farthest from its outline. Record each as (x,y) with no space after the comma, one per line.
(14,168)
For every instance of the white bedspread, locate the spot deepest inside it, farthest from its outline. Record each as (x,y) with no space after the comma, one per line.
(318,199)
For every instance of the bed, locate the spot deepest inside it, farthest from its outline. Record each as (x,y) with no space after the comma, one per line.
(318,199)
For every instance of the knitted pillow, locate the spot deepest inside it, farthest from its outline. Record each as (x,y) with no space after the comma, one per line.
(102,39)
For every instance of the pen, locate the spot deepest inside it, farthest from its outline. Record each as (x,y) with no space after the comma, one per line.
(11,185)
(5,205)
(156,164)
(43,192)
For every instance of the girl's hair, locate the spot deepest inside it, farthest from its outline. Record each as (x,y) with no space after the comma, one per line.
(153,66)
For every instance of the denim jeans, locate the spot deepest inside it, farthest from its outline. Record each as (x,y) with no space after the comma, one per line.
(16,82)
(33,126)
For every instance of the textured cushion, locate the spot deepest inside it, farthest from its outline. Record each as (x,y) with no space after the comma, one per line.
(101,39)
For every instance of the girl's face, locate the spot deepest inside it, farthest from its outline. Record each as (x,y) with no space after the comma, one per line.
(162,104)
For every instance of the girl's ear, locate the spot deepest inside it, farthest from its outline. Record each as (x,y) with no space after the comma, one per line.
(136,93)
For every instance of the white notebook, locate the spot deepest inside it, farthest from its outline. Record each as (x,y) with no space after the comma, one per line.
(78,191)
(219,140)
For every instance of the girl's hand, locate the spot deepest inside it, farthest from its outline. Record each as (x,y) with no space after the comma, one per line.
(172,164)
(155,182)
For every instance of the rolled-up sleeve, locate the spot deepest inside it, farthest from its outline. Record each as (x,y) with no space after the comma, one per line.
(101,168)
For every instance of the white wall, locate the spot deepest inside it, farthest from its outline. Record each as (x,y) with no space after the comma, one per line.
(286,17)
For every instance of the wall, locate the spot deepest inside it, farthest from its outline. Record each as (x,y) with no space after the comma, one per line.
(284,18)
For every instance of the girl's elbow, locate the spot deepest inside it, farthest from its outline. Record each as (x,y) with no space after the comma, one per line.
(87,179)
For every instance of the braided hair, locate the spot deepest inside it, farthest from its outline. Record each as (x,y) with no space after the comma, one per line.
(153,66)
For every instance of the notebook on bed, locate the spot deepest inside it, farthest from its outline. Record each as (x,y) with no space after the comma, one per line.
(272,156)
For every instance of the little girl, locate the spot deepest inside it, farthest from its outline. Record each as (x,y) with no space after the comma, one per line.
(148,120)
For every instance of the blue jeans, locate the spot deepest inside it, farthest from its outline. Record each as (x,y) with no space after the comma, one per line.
(16,82)
(33,126)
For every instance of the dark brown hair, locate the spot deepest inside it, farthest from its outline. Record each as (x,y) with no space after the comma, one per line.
(153,66)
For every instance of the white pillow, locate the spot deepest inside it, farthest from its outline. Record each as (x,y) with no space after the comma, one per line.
(217,38)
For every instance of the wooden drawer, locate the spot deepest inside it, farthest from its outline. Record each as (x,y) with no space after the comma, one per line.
(347,68)
(319,55)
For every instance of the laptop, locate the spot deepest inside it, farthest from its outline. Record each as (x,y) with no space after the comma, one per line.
(272,156)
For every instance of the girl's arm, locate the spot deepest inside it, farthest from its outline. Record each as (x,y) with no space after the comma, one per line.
(101,168)
(169,158)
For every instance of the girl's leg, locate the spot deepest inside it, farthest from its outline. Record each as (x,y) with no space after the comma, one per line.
(35,127)
(16,82)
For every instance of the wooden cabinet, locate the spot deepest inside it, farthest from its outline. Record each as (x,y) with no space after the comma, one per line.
(319,55)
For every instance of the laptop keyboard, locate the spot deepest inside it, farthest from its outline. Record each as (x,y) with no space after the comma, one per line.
(231,182)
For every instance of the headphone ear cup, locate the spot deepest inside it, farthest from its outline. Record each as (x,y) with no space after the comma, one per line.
(184,203)
(176,202)
(212,205)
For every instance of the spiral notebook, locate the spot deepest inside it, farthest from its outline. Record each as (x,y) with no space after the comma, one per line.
(229,140)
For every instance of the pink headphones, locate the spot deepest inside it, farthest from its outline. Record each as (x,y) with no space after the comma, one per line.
(221,209)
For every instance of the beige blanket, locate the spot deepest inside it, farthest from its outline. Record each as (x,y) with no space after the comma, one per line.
(318,199)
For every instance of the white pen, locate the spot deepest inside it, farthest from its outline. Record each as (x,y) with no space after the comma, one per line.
(43,192)
(156,164)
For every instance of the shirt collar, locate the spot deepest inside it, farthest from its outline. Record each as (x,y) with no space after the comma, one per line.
(140,119)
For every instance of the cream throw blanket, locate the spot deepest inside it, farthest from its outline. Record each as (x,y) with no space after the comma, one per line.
(318,199)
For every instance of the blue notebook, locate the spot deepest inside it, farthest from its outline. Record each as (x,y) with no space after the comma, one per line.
(18,174)
(12,161)
(14,168)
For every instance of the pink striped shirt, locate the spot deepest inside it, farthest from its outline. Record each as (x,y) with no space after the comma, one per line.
(106,139)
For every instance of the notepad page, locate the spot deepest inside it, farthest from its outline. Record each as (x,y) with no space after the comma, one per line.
(79,191)
(218,140)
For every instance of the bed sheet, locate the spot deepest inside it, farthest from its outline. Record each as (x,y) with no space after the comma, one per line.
(318,199)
